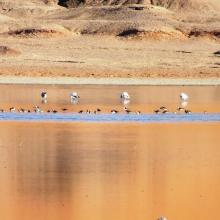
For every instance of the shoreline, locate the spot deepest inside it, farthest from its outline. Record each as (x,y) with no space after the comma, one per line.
(109,81)
(117,118)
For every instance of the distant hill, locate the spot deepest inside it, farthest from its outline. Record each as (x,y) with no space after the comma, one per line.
(183,5)
(176,5)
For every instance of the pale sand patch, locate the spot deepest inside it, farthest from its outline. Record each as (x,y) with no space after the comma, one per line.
(107,81)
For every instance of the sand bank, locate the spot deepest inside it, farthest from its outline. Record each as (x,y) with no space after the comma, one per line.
(107,81)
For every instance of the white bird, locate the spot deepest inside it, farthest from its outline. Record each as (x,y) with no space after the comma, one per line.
(12,109)
(74,97)
(184,96)
(125,96)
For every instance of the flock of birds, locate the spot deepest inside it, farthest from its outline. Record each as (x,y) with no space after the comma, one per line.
(125,99)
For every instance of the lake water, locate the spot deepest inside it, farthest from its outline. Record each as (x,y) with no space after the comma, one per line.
(125,171)
(143,98)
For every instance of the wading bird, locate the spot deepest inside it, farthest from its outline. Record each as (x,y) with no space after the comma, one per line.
(113,111)
(44,97)
(12,109)
(125,96)
(184,97)
(157,111)
(37,109)
(188,111)
(74,97)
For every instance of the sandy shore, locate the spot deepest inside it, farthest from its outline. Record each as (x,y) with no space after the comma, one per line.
(110,57)
(107,81)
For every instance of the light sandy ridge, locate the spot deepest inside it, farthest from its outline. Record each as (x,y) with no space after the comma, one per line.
(108,81)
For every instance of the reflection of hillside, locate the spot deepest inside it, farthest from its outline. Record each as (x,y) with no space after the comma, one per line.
(109,171)
(78,164)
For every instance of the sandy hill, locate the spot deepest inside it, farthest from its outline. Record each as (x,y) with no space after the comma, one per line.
(162,38)
(183,5)
(176,5)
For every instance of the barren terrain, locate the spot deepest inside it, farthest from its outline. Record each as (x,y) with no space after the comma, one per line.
(158,38)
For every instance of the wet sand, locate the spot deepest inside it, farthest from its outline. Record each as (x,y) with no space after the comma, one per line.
(51,171)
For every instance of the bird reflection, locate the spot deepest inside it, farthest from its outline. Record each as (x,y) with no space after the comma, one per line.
(184,103)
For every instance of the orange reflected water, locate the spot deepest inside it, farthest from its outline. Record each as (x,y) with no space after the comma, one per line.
(89,171)
(143,98)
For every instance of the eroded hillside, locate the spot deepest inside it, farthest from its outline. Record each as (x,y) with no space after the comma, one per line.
(118,38)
